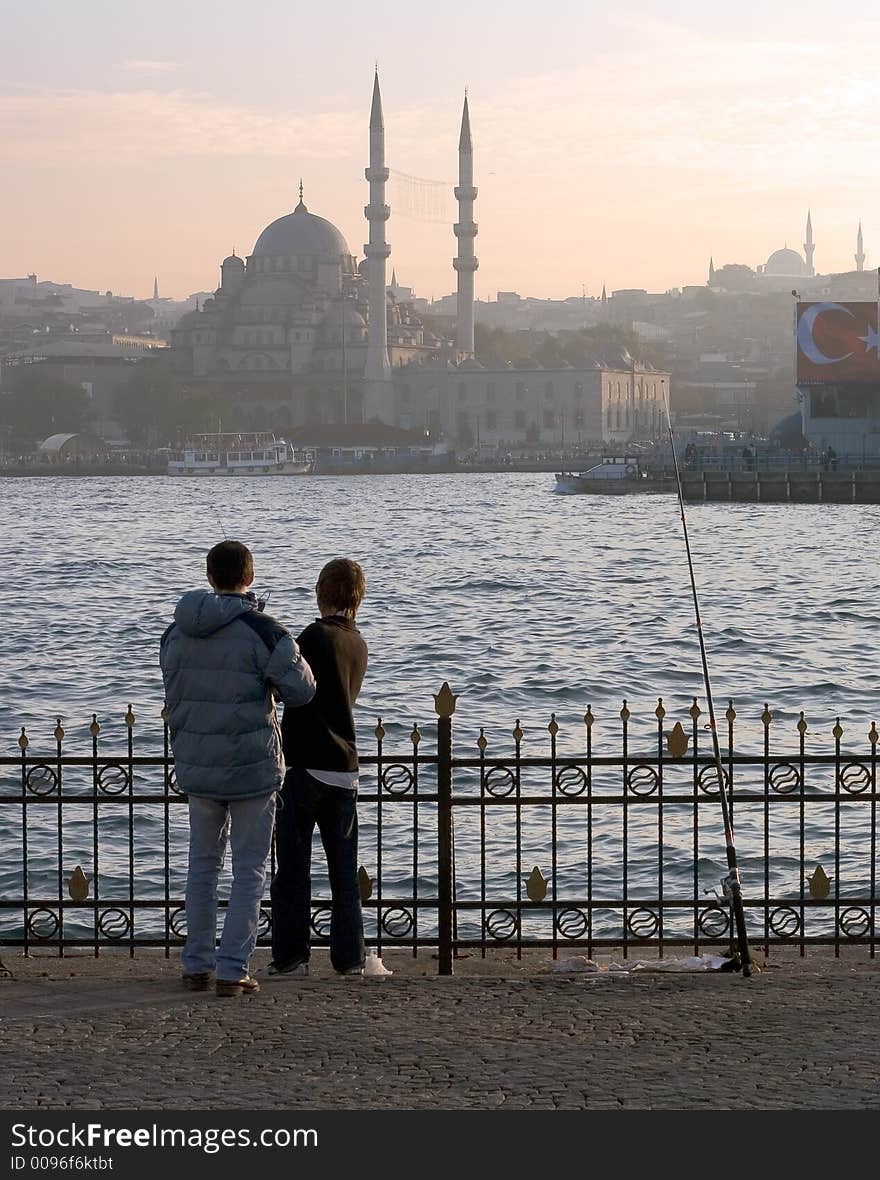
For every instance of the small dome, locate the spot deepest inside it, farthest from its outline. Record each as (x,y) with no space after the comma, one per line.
(302,233)
(347,314)
(233,262)
(784,262)
(470,362)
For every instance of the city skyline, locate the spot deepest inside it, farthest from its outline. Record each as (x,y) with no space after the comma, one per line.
(619,150)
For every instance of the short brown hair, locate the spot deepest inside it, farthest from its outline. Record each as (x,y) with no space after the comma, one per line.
(230,565)
(341,585)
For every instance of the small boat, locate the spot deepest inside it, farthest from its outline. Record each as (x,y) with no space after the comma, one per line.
(240,453)
(615,475)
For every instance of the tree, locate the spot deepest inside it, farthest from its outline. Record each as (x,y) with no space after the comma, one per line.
(151,405)
(735,276)
(497,347)
(38,404)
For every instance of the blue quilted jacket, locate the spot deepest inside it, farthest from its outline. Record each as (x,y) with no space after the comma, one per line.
(223,663)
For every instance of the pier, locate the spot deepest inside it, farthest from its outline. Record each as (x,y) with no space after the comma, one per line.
(811,486)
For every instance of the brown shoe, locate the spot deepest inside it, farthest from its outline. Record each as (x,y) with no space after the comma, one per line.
(237,987)
(196,983)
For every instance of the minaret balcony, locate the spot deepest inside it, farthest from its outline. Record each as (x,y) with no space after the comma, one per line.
(465,264)
(380,174)
(465,192)
(377,212)
(377,250)
(466,229)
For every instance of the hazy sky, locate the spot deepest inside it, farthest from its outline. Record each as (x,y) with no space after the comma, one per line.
(615,144)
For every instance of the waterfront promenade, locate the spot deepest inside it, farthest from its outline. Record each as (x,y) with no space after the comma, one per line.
(115,1033)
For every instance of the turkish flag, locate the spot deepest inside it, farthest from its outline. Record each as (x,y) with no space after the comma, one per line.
(837,342)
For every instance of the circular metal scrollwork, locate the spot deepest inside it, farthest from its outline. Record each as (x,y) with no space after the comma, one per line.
(177,923)
(854,922)
(643,923)
(321,921)
(785,922)
(642,780)
(784,778)
(855,778)
(113,779)
(397,922)
(171,781)
(572,923)
(264,923)
(501,925)
(500,781)
(41,779)
(713,921)
(43,924)
(707,779)
(397,779)
(114,924)
(571,780)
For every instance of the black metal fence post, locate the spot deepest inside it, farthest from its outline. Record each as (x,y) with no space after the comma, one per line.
(444,705)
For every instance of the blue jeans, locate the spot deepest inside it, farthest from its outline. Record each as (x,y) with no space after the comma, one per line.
(304,803)
(210,822)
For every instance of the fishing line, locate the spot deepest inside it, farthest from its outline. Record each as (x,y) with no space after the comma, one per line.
(731,884)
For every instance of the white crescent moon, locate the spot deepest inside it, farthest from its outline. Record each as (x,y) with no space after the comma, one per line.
(805,340)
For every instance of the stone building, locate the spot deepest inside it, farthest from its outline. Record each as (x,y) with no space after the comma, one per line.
(299,332)
(530,404)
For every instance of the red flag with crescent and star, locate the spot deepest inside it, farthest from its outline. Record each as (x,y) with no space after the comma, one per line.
(837,342)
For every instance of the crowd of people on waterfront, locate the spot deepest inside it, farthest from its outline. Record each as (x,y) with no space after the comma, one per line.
(43,460)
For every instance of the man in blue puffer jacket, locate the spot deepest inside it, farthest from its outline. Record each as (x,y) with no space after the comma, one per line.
(223,663)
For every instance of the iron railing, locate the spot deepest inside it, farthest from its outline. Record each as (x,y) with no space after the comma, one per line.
(609,842)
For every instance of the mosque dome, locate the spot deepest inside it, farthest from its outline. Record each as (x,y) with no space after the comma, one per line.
(302,233)
(233,262)
(785,262)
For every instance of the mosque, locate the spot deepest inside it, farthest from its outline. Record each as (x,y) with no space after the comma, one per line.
(303,331)
(300,333)
(785,266)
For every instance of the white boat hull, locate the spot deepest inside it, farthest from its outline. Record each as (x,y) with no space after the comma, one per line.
(255,469)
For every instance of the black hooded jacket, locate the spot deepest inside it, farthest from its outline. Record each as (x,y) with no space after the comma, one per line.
(321,734)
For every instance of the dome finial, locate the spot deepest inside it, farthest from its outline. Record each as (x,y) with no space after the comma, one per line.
(301,208)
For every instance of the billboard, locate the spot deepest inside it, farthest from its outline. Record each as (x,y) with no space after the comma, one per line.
(837,342)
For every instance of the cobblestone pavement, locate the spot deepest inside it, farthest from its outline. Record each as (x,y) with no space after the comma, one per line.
(126,1035)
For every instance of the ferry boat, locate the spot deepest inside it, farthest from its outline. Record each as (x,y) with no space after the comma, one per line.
(616,474)
(240,453)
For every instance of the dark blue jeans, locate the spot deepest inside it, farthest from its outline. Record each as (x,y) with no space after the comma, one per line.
(304,803)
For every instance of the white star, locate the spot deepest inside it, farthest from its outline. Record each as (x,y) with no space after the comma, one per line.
(872,340)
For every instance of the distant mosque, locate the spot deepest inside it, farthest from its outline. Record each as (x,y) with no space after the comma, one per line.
(785,265)
(302,338)
(306,333)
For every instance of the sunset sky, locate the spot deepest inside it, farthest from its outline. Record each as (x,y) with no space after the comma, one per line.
(613,144)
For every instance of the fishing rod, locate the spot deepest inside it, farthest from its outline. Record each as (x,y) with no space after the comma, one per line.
(731,883)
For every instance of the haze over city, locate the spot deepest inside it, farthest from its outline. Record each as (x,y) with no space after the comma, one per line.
(621,148)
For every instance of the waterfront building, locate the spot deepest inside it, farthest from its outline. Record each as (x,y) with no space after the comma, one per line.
(300,333)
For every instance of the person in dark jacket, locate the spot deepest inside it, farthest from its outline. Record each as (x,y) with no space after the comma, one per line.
(320,787)
(223,663)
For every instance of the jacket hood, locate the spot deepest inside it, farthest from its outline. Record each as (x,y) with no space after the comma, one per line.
(201,612)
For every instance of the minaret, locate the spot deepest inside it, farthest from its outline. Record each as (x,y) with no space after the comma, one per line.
(860,250)
(378,390)
(156,283)
(808,246)
(711,272)
(465,228)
